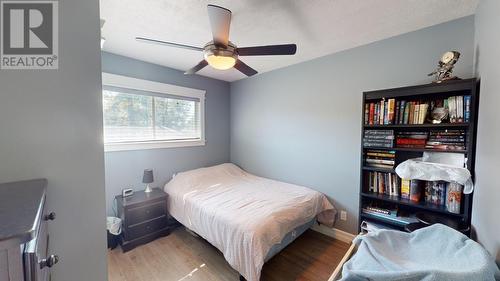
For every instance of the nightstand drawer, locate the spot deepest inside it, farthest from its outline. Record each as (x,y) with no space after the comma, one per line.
(141,229)
(144,213)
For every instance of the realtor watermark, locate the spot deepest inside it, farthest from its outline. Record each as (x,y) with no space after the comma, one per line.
(29,34)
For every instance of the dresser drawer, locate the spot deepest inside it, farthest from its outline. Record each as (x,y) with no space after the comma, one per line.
(36,251)
(144,213)
(141,229)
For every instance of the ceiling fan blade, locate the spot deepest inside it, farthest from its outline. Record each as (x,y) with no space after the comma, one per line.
(244,68)
(164,43)
(220,21)
(286,49)
(197,68)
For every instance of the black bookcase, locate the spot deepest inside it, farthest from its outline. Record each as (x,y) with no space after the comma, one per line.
(421,92)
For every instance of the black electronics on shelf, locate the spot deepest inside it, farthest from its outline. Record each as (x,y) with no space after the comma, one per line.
(397,99)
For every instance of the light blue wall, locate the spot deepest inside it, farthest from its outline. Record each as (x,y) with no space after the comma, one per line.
(302,124)
(50,127)
(124,169)
(487,194)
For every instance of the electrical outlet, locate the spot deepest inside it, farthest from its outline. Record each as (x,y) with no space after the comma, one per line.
(343,215)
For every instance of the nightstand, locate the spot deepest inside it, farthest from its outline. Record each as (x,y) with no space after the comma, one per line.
(144,218)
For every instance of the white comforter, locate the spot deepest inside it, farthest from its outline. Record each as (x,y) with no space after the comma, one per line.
(241,214)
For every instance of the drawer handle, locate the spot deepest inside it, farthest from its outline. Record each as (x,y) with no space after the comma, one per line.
(50,217)
(50,261)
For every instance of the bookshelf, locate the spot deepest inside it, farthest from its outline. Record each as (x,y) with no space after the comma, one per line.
(424,93)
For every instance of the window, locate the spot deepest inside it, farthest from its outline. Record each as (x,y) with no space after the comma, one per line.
(140,114)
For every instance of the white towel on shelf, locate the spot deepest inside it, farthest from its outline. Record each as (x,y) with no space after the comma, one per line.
(420,170)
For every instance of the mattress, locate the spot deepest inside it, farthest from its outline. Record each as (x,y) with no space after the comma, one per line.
(288,239)
(243,215)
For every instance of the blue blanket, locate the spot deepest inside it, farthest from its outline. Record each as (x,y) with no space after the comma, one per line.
(433,253)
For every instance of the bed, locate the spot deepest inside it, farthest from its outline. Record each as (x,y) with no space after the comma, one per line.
(248,218)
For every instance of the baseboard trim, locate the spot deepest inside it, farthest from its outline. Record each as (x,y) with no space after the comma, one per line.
(334,233)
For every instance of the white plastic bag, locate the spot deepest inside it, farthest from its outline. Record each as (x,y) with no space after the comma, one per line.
(114,225)
(420,170)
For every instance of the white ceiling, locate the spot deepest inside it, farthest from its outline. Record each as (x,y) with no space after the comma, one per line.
(318,27)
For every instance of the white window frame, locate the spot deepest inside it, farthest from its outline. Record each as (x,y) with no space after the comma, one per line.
(120,81)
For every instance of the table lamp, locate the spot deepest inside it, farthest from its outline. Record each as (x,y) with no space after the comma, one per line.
(147,178)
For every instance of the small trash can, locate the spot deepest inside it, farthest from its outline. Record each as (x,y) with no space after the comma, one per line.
(114,229)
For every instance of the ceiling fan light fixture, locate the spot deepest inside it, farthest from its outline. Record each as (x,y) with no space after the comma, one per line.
(220,57)
(222,54)
(221,62)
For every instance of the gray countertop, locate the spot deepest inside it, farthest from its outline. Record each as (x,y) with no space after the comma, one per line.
(20,204)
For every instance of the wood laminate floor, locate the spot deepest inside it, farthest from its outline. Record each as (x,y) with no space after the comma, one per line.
(183,257)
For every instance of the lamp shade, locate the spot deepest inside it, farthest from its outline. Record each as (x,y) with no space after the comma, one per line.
(148,176)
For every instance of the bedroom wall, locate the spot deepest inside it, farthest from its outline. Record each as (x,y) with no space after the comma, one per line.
(302,124)
(51,127)
(124,169)
(487,192)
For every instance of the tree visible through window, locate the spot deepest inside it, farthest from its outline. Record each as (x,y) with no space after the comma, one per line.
(142,117)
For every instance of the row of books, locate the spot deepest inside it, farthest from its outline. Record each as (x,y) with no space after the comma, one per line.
(384,183)
(446,139)
(378,138)
(380,158)
(433,192)
(411,139)
(435,139)
(389,112)
(458,108)
(380,113)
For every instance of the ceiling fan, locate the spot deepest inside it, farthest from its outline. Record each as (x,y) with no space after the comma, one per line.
(221,53)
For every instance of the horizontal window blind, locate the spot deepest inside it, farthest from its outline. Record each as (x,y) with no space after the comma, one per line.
(145,93)
(139,116)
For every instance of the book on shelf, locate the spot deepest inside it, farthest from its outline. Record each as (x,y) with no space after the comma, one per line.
(378,138)
(405,188)
(411,139)
(412,118)
(380,158)
(382,112)
(367,112)
(415,190)
(435,192)
(453,197)
(404,112)
(397,106)
(452,109)
(460,109)
(384,211)
(390,112)
(400,219)
(388,163)
(446,140)
(467,108)
(407,113)
(383,183)
(402,105)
